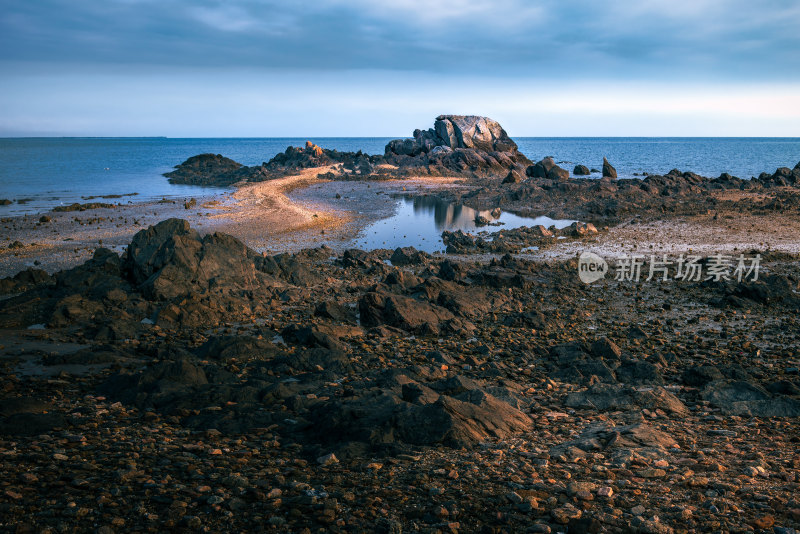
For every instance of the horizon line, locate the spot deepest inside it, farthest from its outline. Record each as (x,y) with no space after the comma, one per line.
(395,137)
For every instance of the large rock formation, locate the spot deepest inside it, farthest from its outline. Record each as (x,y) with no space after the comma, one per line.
(213,170)
(458,144)
(217,170)
(547,168)
(454,132)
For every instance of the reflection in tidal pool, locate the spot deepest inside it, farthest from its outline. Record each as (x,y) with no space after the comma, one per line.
(420,221)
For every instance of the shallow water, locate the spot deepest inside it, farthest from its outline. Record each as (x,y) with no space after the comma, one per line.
(419,222)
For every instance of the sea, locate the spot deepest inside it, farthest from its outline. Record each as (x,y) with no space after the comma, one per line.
(37,174)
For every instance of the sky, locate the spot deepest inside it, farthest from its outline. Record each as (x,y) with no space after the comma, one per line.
(264,68)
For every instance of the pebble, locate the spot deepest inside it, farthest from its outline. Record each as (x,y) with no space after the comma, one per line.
(605,491)
(328,459)
(638,510)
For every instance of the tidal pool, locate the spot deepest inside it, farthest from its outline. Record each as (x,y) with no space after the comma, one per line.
(419,222)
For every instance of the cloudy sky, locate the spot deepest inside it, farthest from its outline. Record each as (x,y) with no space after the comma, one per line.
(206,68)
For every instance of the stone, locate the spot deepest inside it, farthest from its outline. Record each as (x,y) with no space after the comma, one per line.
(606,492)
(206,169)
(480,220)
(565,514)
(403,312)
(606,349)
(171,260)
(457,144)
(605,397)
(328,459)
(764,522)
(557,173)
(608,170)
(579,229)
(581,170)
(408,256)
(741,397)
(512,178)
(541,168)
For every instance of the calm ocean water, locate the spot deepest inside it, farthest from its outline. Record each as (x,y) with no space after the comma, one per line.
(39,173)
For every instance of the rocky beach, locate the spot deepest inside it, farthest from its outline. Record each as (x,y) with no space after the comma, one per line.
(232,363)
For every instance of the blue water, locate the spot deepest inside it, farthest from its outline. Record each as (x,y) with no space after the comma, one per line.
(44,172)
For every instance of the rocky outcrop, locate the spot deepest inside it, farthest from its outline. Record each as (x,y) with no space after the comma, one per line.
(211,170)
(454,132)
(219,171)
(783,176)
(547,168)
(457,145)
(608,170)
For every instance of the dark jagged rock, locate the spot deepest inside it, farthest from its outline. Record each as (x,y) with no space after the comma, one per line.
(209,170)
(419,416)
(171,259)
(457,145)
(741,397)
(541,168)
(403,312)
(24,280)
(547,168)
(408,256)
(605,397)
(581,170)
(558,174)
(608,170)
(26,416)
(217,170)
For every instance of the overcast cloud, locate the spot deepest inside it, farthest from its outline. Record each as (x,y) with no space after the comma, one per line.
(95,52)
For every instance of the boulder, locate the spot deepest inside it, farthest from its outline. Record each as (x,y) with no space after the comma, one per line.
(408,256)
(604,397)
(608,170)
(402,312)
(581,170)
(605,436)
(457,145)
(471,131)
(541,168)
(419,416)
(512,178)
(170,260)
(558,174)
(605,348)
(206,169)
(455,132)
(741,397)
(540,231)
(700,375)
(638,372)
(579,229)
